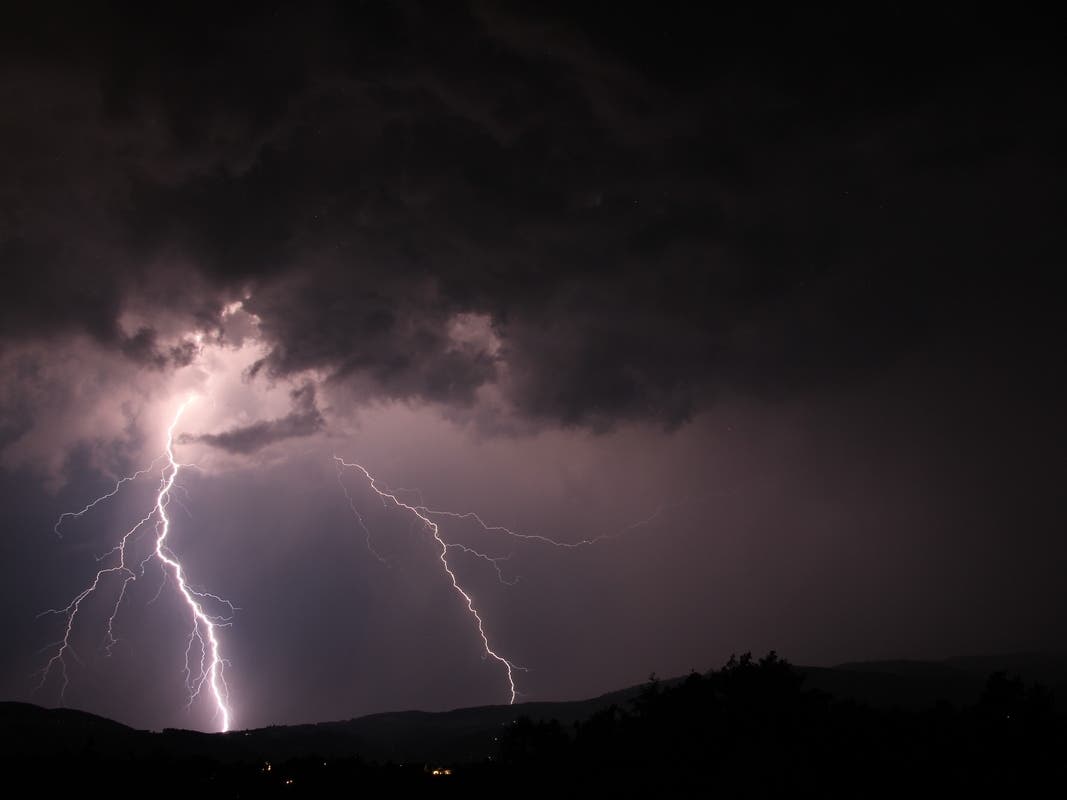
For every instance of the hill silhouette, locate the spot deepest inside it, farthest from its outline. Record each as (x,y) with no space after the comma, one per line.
(821,726)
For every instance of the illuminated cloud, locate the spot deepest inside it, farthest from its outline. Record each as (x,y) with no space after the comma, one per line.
(304,420)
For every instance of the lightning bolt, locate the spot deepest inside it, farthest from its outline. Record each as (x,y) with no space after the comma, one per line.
(204,635)
(535,537)
(355,511)
(423,515)
(89,507)
(387,496)
(494,560)
(210,673)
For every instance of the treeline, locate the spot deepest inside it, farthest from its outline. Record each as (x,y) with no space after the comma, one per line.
(751,727)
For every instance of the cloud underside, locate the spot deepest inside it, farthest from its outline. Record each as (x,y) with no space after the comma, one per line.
(644,225)
(304,420)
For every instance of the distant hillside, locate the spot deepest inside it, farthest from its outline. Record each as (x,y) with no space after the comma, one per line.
(467,734)
(921,684)
(65,729)
(470,734)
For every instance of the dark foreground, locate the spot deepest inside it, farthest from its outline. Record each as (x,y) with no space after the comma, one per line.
(753,727)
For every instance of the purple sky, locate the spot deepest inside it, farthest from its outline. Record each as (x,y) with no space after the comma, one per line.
(778,295)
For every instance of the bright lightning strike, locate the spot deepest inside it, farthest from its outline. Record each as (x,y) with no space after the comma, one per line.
(209,673)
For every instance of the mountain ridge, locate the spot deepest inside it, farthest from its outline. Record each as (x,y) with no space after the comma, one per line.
(470,734)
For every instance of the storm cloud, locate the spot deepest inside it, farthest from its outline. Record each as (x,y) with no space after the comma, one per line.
(645,222)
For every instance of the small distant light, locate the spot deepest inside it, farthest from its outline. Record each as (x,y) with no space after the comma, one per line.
(289,782)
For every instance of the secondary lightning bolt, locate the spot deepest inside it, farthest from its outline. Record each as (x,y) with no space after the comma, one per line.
(355,512)
(422,514)
(205,626)
(494,560)
(509,667)
(536,537)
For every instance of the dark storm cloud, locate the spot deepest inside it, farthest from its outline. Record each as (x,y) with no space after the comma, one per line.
(648,217)
(304,420)
(143,348)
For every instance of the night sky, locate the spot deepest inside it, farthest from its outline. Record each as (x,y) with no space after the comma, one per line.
(765,301)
